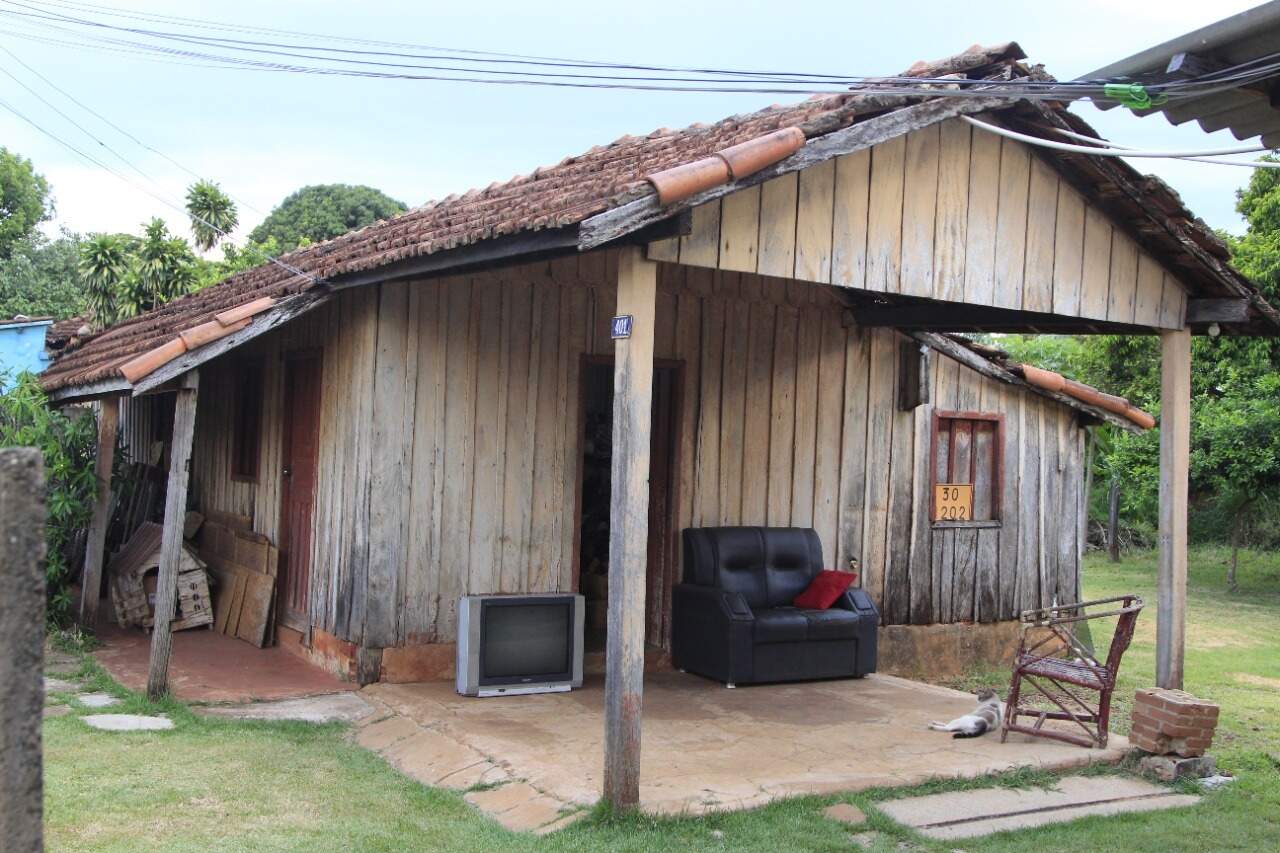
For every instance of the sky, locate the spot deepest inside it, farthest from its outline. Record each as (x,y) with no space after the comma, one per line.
(262,135)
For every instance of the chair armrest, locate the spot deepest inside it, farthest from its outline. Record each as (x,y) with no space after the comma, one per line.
(859,602)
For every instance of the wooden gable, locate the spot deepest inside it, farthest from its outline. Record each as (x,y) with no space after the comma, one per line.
(946,212)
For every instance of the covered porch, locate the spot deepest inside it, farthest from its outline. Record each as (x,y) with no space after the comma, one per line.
(705,748)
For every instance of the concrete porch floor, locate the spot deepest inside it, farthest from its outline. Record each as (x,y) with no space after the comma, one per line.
(704,747)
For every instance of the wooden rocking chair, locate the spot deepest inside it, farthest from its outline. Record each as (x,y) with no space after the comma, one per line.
(1052,659)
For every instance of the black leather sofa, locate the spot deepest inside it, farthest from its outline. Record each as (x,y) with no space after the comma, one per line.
(732,618)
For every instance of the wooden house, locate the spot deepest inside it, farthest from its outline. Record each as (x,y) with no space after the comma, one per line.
(441,403)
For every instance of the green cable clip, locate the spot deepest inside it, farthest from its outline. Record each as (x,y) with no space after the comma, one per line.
(1133,95)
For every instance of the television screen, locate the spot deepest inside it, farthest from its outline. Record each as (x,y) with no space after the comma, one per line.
(526,641)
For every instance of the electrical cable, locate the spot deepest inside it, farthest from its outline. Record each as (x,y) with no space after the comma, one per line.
(96,162)
(1255,164)
(1105,152)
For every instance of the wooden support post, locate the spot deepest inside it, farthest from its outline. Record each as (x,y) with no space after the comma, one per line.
(22,518)
(1113,521)
(1175,444)
(91,580)
(175,512)
(629,528)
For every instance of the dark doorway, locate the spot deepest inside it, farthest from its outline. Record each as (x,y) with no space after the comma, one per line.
(597,458)
(299,445)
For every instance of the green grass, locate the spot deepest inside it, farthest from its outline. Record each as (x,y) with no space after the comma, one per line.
(213,784)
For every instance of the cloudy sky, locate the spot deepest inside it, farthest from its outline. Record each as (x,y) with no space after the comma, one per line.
(264,134)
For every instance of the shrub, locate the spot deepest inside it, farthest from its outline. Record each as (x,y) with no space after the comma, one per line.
(68,445)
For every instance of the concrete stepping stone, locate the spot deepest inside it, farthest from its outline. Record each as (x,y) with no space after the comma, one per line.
(127,722)
(327,708)
(965,814)
(97,700)
(58,685)
(520,807)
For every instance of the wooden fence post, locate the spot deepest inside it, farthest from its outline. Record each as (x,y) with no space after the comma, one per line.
(91,580)
(1175,444)
(629,528)
(22,544)
(175,511)
(1113,521)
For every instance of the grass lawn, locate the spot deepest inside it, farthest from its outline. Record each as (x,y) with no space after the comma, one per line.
(224,785)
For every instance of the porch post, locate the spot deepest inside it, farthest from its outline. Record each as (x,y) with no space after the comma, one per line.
(1175,442)
(629,528)
(175,511)
(91,580)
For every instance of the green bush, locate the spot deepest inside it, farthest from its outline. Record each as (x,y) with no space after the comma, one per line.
(68,445)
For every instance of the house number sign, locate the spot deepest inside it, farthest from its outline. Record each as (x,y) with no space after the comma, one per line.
(953,502)
(620,327)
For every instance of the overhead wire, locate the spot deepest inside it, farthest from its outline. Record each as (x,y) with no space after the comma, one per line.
(1249,164)
(1106,152)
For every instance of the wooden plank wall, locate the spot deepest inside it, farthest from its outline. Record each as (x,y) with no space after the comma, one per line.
(449,440)
(947,212)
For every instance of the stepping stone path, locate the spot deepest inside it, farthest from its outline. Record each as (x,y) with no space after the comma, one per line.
(57,685)
(965,814)
(328,708)
(97,700)
(434,756)
(127,722)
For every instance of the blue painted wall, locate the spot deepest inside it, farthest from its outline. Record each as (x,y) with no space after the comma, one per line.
(22,348)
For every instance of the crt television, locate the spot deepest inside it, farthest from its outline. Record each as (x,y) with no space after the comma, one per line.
(513,644)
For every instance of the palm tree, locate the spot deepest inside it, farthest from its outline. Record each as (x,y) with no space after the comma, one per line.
(213,214)
(104,264)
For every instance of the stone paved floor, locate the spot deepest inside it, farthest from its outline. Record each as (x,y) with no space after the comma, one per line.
(705,747)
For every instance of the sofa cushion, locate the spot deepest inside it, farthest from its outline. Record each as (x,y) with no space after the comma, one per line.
(833,624)
(739,559)
(824,590)
(792,556)
(782,625)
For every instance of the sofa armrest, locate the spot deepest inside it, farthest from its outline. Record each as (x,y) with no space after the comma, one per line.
(730,605)
(859,602)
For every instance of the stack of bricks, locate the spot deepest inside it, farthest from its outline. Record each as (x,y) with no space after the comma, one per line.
(1170,721)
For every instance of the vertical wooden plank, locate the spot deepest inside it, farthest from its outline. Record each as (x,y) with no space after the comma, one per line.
(984,208)
(701,246)
(1150,290)
(1042,223)
(1011,224)
(884,215)
(1172,303)
(808,349)
(1068,251)
(490,435)
(880,408)
(1030,519)
(517,488)
(952,217)
(740,230)
(1069,466)
(459,451)
(733,410)
(920,558)
(1124,278)
(849,220)
(667,250)
(711,361)
(814,219)
(853,458)
(688,342)
(91,580)
(829,441)
(1011,498)
(919,209)
(1096,276)
(1175,442)
(628,531)
(755,433)
(175,512)
(575,310)
(548,511)
(778,226)
(901,465)
(1049,488)
(782,419)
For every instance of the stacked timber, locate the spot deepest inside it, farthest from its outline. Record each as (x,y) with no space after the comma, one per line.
(244,565)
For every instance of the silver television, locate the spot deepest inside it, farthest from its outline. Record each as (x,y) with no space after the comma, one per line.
(514,644)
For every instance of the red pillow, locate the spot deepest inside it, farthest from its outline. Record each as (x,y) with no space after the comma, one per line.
(823,591)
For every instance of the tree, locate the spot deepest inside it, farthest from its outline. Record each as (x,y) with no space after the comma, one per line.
(164,268)
(24,200)
(322,212)
(213,214)
(104,265)
(40,278)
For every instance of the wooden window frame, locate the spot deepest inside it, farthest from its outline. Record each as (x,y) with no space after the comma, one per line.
(997,491)
(249,374)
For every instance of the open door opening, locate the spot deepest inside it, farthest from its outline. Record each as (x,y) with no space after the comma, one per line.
(594,490)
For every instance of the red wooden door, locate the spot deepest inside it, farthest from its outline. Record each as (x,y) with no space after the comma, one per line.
(300,441)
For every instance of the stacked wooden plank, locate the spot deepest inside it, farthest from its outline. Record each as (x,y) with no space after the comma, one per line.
(133,571)
(244,566)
